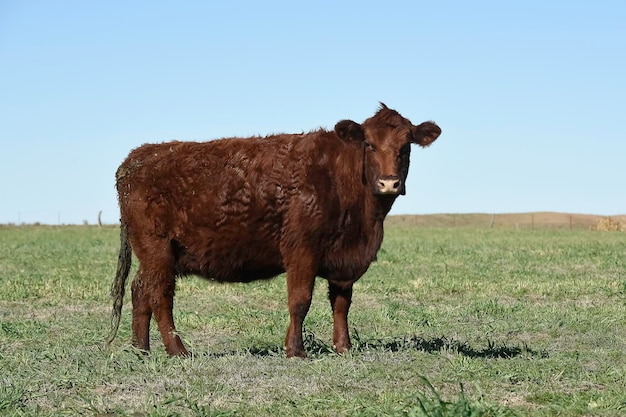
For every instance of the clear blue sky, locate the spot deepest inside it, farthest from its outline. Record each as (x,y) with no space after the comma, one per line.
(531,95)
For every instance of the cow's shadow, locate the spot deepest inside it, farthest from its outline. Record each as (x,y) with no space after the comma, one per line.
(443,344)
(316,347)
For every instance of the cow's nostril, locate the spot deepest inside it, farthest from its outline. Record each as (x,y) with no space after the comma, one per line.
(396,184)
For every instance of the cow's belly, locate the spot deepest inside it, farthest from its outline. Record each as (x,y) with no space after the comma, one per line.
(230,259)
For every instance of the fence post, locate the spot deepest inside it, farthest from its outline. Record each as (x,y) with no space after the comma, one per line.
(571,222)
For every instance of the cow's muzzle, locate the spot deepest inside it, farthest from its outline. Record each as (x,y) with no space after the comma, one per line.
(388,185)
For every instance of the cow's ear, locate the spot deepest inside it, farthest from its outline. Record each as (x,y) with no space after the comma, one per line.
(425,133)
(348,130)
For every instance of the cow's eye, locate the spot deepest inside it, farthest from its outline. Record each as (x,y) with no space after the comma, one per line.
(370,147)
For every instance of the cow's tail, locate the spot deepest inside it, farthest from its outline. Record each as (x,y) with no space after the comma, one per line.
(118,288)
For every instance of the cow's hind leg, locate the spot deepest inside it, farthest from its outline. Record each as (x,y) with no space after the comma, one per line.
(153,294)
(300,282)
(162,301)
(142,312)
(340,297)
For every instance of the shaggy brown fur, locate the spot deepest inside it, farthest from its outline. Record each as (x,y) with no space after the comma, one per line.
(239,210)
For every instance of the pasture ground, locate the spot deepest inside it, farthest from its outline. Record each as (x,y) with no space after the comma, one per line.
(449,321)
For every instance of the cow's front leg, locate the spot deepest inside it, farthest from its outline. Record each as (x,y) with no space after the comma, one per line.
(340,296)
(300,283)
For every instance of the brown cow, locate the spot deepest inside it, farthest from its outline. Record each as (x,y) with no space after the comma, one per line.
(238,210)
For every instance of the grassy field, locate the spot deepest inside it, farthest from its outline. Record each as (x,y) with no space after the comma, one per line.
(449,321)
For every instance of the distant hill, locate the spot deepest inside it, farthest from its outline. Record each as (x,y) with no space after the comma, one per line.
(537,220)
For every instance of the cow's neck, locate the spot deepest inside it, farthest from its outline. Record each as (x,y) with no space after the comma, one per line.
(376,209)
(384,205)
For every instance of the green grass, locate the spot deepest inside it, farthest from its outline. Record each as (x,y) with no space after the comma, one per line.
(449,321)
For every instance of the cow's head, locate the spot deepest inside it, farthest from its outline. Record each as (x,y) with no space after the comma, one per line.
(386,138)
